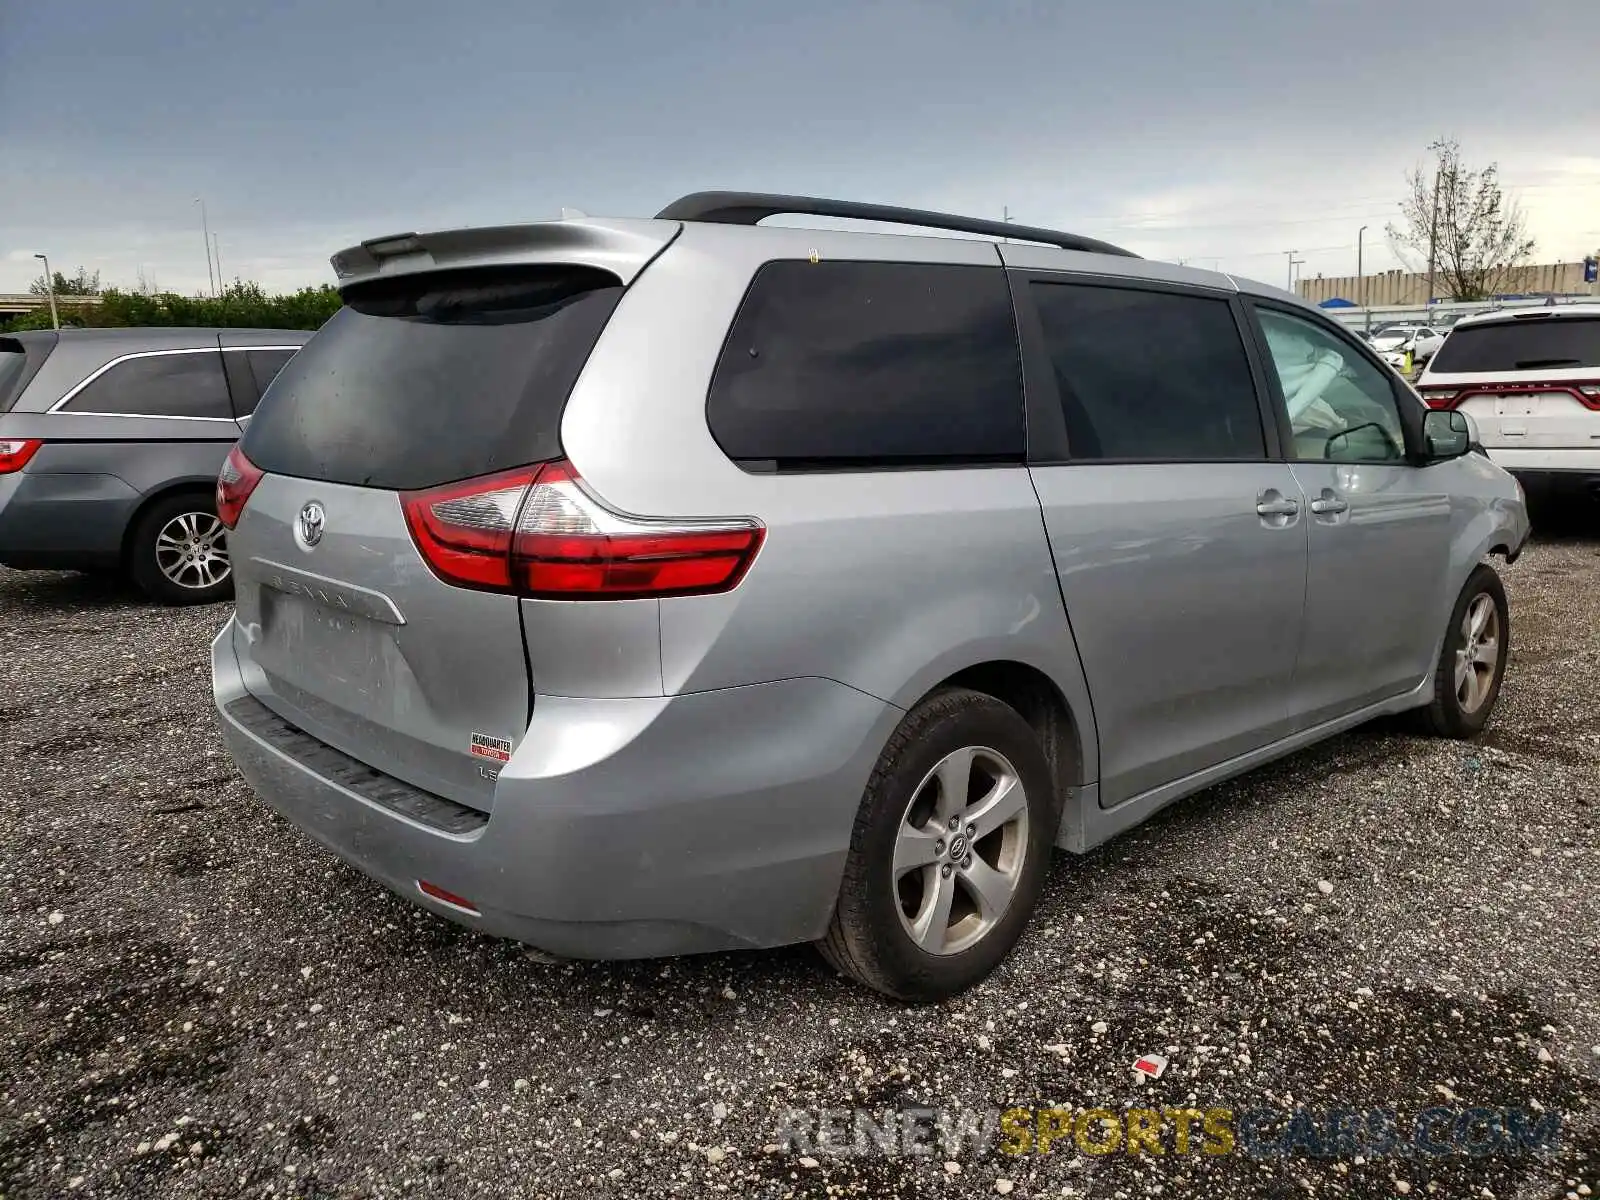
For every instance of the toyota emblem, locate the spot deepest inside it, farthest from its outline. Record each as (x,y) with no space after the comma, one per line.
(310,524)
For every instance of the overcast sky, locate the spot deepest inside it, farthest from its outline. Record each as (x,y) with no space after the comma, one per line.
(1225,132)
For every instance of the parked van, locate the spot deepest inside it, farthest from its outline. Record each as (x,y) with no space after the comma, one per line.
(110,443)
(638,587)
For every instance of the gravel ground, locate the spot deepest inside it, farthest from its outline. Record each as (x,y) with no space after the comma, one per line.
(198,1002)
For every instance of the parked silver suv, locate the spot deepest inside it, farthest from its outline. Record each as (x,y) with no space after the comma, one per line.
(640,587)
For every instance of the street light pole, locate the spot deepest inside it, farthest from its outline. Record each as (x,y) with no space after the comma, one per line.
(50,287)
(205,229)
(216,245)
(1361,280)
(1433,239)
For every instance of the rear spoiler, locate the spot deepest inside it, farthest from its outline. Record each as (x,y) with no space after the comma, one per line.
(622,247)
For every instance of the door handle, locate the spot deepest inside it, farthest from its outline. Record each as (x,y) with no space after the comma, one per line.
(1326,506)
(1277,508)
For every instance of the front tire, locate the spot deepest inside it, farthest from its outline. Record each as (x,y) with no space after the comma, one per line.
(1472,662)
(178,552)
(950,850)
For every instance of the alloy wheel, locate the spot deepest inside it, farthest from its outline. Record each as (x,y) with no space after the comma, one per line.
(192,551)
(1479,656)
(960,850)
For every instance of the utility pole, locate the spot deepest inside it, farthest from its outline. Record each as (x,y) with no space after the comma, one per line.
(1293,263)
(1361,280)
(205,229)
(1433,238)
(50,286)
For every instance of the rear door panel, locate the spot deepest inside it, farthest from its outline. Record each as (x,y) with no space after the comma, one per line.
(1186,606)
(1185,601)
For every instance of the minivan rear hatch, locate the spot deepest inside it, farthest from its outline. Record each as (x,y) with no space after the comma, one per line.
(346,632)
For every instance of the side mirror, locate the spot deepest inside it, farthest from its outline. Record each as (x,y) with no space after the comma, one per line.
(1448,435)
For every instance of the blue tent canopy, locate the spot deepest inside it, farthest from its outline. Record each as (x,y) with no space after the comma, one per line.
(1337,302)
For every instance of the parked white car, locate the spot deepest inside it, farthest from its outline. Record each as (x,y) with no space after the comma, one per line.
(1394,341)
(1530,379)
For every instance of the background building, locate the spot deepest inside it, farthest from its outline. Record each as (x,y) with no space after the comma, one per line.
(1410,287)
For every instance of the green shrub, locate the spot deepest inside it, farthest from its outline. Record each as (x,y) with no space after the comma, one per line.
(241,305)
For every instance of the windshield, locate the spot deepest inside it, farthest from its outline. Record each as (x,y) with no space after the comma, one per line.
(1395,333)
(1527,344)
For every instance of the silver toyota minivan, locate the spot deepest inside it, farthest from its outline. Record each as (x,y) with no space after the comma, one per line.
(640,587)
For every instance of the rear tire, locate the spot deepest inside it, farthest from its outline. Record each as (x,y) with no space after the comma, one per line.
(178,552)
(1472,661)
(955,764)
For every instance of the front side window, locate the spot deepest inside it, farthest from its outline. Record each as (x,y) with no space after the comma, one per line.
(1342,408)
(841,365)
(1149,375)
(188,384)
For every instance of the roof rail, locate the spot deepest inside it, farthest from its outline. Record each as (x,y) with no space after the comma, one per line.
(750,208)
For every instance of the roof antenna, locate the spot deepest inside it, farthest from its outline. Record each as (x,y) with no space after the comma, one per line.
(573,214)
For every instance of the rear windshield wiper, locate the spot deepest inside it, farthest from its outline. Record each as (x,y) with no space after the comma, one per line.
(1529,364)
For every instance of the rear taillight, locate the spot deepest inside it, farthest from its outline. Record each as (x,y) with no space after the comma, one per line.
(537,532)
(1586,394)
(235,482)
(463,530)
(15,453)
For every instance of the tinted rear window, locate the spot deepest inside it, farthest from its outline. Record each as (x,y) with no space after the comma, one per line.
(1528,344)
(168,384)
(426,380)
(1149,375)
(847,364)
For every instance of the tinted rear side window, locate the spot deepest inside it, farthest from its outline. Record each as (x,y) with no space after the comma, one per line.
(1149,375)
(1529,344)
(187,384)
(847,364)
(13,361)
(425,380)
(265,365)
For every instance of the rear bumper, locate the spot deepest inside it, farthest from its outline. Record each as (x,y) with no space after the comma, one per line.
(621,828)
(63,522)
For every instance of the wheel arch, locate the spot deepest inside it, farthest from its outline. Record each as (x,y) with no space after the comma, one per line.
(196,485)
(1041,702)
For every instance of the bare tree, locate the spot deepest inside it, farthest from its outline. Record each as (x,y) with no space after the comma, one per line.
(1458,222)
